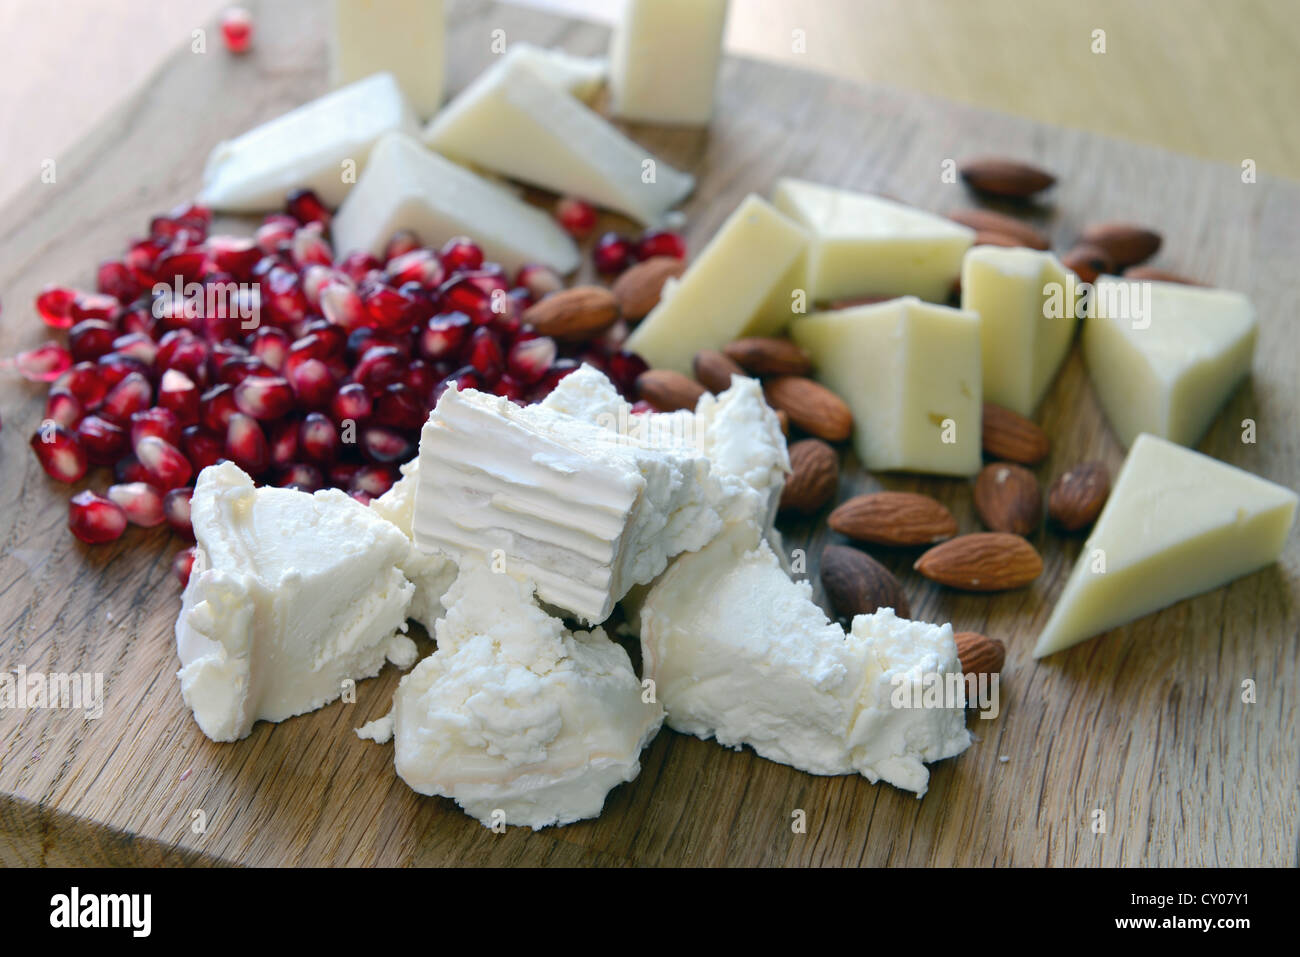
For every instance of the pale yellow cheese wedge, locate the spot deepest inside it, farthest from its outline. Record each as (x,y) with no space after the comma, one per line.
(1026,306)
(719,296)
(1178,523)
(910,371)
(1165,357)
(865,245)
(664,60)
(404,37)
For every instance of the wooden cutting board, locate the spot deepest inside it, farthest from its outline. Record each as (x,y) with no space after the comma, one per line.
(1146,725)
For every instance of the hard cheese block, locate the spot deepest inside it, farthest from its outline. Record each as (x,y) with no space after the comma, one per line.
(404,37)
(408,187)
(1165,357)
(910,371)
(512,121)
(865,245)
(720,295)
(1026,306)
(581,76)
(319,145)
(664,60)
(1178,523)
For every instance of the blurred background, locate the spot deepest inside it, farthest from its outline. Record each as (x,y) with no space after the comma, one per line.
(1213,78)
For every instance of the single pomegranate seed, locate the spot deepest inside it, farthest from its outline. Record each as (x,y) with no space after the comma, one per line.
(63,407)
(282,444)
(420,376)
(176,511)
(461,253)
(86,381)
(558,371)
(159,422)
(623,368)
(310,247)
(235,369)
(530,359)
(443,336)
(201,447)
(306,207)
(180,263)
(264,397)
(183,565)
(357,265)
(45,363)
(138,319)
(216,406)
(193,217)
(379,366)
(351,403)
(139,501)
(94,519)
(93,305)
(276,232)
(418,265)
(316,277)
(384,445)
(577,217)
(117,280)
(466,377)
(237,29)
(332,341)
(116,366)
(137,345)
(246,444)
(660,242)
(318,438)
(270,345)
(341,305)
(59,452)
(342,474)
(463,295)
(165,463)
(313,384)
(186,353)
(485,354)
(178,394)
(539,280)
(374,480)
(302,476)
(509,387)
(133,394)
(128,469)
(234,255)
(103,440)
(403,242)
(612,253)
(400,406)
(55,306)
(141,258)
(387,308)
(282,297)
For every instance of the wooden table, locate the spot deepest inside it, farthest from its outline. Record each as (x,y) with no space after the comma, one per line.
(1145,724)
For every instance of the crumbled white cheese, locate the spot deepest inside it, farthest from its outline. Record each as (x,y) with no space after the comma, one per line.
(431,573)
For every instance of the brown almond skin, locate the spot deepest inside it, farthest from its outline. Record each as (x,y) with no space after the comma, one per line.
(667,390)
(1127,244)
(1088,262)
(893,518)
(1152,274)
(1010,178)
(985,220)
(1010,436)
(857,584)
(980,655)
(1008,499)
(811,406)
(763,356)
(1077,497)
(714,370)
(637,291)
(982,561)
(573,314)
(815,474)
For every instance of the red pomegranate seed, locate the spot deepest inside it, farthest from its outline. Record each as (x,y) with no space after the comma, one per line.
(142,256)
(318,438)
(103,440)
(55,306)
(333,340)
(159,422)
(128,469)
(612,253)
(403,242)
(418,265)
(270,345)
(138,319)
(183,565)
(302,476)
(235,369)
(466,377)
(530,359)
(443,336)
(246,444)
(282,444)
(577,217)
(176,511)
(313,384)
(45,363)
(310,247)
(374,480)
(420,376)
(351,403)
(117,280)
(623,368)
(63,407)
(137,345)
(400,406)
(342,474)
(539,280)
(201,447)
(357,265)
(139,501)
(237,29)
(660,242)
(59,452)
(94,519)
(185,352)
(94,305)
(86,381)
(461,253)
(133,394)
(558,371)
(164,462)
(234,254)
(216,406)
(463,295)
(264,397)
(306,207)
(342,306)
(316,277)
(180,263)
(384,445)
(379,366)
(276,231)
(178,395)
(282,297)
(485,355)
(387,308)
(509,387)
(116,366)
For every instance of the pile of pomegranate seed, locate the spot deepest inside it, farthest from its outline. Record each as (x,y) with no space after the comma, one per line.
(305,370)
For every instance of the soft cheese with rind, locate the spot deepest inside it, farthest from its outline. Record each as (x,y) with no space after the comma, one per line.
(291,593)
(431,574)
(514,715)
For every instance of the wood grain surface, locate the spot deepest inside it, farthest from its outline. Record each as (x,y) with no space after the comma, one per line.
(1145,724)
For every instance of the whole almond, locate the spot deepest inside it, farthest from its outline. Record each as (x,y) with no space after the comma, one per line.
(763,356)
(1126,244)
(811,406)
(985,220)
(982,561)
(1088,262)
(1005,177)
(814,475)
(893,518)
(714,370)
(985,237)
(637,291)
(1152,274)
(573,314)
(668,390)
(1010,436)
(978,654)
(857,584)
(1076,498)
(1007,498)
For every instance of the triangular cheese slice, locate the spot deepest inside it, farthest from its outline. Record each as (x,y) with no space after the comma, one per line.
(1178,523)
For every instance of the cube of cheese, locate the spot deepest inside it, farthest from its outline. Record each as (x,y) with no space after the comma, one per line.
(719,297)
(408,187)
(664,60)
(865,245)
(1165,357)
(1178,523)
(1026,305)
(512,121)
(404,37)
(910,371)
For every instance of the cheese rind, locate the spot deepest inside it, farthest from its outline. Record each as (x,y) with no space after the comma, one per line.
(1170,371)
(1177,523)
(664,59)
(1026,306)
(864,245)
(512,121)
(306,147)
(740,653)
(406,186)
(910,372)
(404,37)
(722,293)
(431,574)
